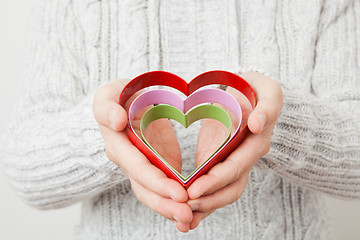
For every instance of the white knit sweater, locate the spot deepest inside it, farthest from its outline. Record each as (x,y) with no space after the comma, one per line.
(54,153)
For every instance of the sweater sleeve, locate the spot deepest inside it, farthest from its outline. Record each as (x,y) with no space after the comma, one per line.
(53,150)
(316,142)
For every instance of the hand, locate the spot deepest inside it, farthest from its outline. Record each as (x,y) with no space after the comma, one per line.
(150,185)
(226,181)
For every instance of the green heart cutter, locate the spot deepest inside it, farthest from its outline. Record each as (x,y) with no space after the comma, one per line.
(186,119)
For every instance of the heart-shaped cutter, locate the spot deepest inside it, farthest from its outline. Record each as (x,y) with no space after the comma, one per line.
(174,103)
(171,80)
(205,111)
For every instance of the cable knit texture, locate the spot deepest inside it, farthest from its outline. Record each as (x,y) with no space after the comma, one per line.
(54,153)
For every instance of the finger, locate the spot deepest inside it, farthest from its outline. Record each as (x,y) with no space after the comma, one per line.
(232,168)
(174,211)
(136,166)
(182,227)
(212,134)
(107,111)
(162,137)
(198,217)
(269,101)
(220,198)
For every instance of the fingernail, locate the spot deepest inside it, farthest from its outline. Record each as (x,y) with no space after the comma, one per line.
(262,119)
(176,219)
(173,195)
(194,206)
(112,119)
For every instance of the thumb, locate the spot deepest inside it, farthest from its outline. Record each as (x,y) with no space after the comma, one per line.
(106,109)
(269,101)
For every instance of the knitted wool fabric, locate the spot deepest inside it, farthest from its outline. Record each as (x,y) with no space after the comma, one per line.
(54,153)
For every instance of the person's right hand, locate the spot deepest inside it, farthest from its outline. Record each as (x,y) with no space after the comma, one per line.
(150,185)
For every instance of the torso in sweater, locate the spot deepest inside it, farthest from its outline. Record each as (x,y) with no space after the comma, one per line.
(55,153)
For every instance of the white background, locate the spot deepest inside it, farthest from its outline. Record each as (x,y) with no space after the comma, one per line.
(17,220)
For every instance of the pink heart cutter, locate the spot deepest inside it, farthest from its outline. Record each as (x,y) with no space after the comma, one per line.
(199,97)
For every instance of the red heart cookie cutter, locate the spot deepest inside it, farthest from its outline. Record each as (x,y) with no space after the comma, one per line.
(172,80)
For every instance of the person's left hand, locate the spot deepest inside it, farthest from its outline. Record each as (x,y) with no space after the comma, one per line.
(226,181)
